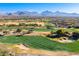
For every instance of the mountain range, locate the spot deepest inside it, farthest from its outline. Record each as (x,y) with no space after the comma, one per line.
(44,13)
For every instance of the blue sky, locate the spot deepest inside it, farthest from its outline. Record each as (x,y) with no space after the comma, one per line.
(39,7)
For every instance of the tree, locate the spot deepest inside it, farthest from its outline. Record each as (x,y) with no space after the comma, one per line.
(75,36)
(30,30)
(60,31)
(18,30)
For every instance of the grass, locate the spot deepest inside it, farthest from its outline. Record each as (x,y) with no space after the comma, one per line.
(67,29)
(6,27)
(42,29)
(40,42)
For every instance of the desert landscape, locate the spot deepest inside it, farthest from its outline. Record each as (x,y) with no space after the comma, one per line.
(41,33)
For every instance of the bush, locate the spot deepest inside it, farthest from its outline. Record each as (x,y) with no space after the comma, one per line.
(60,31)
(22,24)
(75,36)
(18,30)
(32,24)
(30,30)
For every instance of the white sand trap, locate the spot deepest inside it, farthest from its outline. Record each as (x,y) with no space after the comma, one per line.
(65,41)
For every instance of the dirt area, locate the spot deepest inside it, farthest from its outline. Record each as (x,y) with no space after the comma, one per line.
(30,34)
(21,50)
(38,33)
(17,23)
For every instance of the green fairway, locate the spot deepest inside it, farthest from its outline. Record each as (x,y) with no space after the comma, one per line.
(40,43)
(42,29)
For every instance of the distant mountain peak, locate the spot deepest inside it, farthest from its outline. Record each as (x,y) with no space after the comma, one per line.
(43,13)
